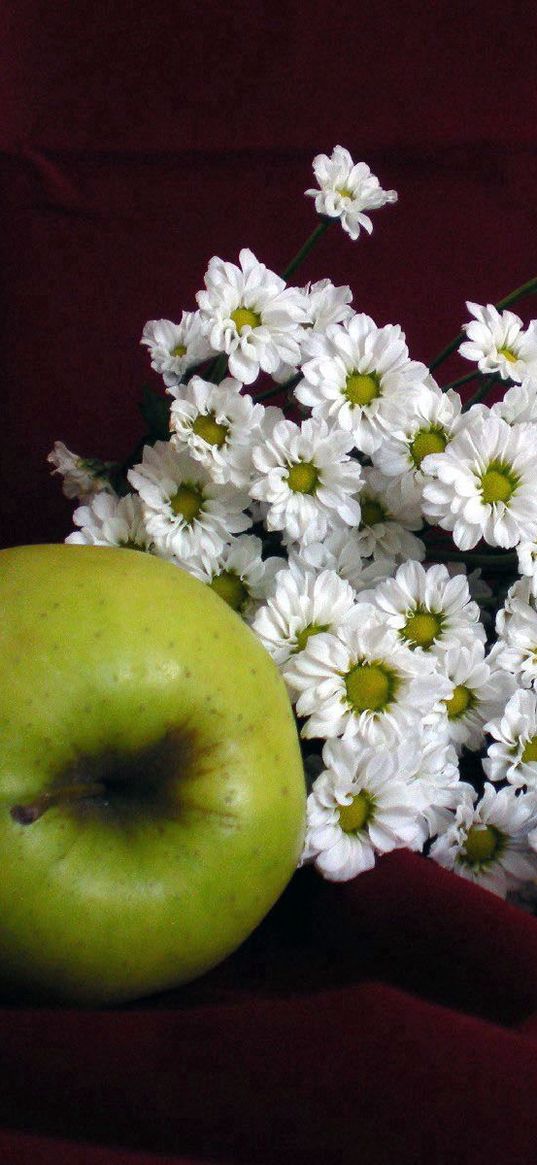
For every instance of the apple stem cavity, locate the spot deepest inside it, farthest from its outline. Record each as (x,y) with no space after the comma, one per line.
(77,791)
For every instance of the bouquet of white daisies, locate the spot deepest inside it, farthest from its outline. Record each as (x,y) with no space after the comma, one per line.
(410,656)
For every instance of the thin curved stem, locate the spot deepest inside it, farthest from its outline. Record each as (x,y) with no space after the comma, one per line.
(481,393)
(217,370)
(307,247)
(528,288)
(504,561)
(461,380)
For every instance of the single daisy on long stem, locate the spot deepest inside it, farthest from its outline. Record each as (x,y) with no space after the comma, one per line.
(346,190)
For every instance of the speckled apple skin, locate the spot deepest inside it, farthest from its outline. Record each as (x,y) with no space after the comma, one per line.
(107,652)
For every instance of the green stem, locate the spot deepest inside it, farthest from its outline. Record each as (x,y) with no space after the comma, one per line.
(528,288)
(284,389)
(481,393)
(506,561)
(461,380)
(217,370)
(276,390)
(307,247)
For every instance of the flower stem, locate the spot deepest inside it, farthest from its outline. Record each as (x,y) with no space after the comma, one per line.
(481,393)
(461,380)
(284,389)
(217,369)
(276,390)
(307,247)
(528,288)
(505,561)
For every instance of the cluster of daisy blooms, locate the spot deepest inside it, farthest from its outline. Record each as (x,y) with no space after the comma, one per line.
(414,681)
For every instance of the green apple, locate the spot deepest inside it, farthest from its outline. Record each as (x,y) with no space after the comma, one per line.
(152,795)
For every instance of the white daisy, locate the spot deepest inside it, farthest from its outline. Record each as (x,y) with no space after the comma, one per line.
(388,517)
(428,762)
(83,477)
(341,551)
(324,304)
(217,425)
(187,514)
(478,692)
(425,425)
(363,682)
(346,189)
(427,608)
(488,842)
(111,521)
(518,597)
(513,757)
(498,342)
(174,348)
(249,313)
(527,561)
(240,575)
(303,603)
(479,589)
(358,808)
(327,304)
(361,380)
(306,479)
(515,648)
(483,484)
(519,403)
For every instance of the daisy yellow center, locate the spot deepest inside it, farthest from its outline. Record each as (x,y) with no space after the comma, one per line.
(187,502)
(427,441)
(179,350)
(353,817)
(362,387)
(307,632)
(483,843)
(530,751)
(231,589)
(344,191)
(370,687)
(372,512)
(208,428)
(460,701)
(303,477)
(508,354)
(243,318)
(422,628)
(498,483)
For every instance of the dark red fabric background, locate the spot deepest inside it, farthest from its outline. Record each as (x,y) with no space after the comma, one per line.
(391,1020)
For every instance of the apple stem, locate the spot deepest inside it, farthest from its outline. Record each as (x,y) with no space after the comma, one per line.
(27,814)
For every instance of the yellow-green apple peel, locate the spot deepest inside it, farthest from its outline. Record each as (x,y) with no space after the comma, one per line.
(152,797)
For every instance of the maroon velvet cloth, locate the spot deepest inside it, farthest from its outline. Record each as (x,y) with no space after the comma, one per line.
(136,144)
(392,1019)
(389,1019)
